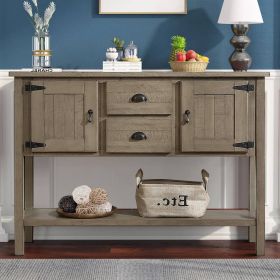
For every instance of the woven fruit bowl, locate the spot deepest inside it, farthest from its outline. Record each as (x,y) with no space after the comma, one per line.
(188,66)
(85,216)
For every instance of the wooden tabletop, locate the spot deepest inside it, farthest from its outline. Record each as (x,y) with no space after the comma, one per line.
(143,74)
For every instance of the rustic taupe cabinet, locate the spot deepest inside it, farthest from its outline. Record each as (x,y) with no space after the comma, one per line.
(166,113)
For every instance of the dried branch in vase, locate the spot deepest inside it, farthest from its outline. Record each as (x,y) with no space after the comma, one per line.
(41,24)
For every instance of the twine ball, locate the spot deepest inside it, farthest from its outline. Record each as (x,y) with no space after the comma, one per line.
(103,208)
(67,204)
(86,209)
(81,194)
(94,209)
(98,196)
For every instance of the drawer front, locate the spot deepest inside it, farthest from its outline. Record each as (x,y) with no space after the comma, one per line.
(139,97)
(138,135)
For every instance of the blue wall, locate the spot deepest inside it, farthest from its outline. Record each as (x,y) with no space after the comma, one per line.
(80,36)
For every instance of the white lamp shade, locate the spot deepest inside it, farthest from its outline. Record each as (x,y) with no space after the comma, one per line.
(240,12)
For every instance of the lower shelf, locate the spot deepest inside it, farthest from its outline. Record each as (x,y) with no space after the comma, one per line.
(129,217)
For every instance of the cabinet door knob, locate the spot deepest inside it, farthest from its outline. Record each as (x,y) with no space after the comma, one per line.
(90,116)
(138,136)
(187,117)
(138,98)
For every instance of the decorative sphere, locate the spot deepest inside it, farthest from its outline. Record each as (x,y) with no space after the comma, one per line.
(67,204)
(98,196)
(103,208)
(85,209)
(81,194)
(94,209)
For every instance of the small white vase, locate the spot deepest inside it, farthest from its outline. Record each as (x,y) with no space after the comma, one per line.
(112,56)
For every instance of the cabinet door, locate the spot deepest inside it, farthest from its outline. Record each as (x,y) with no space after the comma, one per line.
(214,116)
(60,116)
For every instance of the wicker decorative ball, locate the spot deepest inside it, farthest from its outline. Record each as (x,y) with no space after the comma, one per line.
(94,209)
(86,209)
(103,208)
(81,194)
(98,196)
(67,204)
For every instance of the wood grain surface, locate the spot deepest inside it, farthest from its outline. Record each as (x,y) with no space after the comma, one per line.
(143,74)
(154,249)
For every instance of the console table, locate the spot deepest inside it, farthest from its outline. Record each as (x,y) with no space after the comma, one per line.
(152,112)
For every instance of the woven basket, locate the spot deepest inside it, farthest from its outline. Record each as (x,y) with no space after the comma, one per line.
(188,66)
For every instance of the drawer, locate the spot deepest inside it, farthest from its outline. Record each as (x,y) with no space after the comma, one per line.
(136,97)
(138,135)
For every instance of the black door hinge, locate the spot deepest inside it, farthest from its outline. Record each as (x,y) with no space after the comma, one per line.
(29,87)
(245,145)
(34,145)
(248,87)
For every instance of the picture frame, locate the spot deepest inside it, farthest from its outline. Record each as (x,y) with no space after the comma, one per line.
(142,7)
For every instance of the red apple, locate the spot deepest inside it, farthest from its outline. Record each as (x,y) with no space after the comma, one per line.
(181,56)
(191,55)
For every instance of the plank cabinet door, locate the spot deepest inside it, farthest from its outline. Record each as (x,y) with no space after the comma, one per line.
(60,116)
(214,116)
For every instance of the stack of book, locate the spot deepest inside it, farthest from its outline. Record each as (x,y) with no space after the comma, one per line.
(42,70)
(122,66)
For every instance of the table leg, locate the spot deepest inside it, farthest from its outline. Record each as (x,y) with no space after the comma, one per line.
(260,166)
(28,193)
(18,169)
(252,202)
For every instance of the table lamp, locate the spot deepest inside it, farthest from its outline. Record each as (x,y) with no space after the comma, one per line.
(240,13)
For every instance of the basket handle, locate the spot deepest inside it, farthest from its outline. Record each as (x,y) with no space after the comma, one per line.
(205,178)
(139,177)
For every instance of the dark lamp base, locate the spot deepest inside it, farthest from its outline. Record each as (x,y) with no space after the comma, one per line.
(240,60)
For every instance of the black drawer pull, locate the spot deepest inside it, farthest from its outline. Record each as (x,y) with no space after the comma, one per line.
(138,98)
(138,136)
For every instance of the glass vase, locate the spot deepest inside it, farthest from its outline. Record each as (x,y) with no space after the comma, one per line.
(131,51)
(41,51)
(120,54)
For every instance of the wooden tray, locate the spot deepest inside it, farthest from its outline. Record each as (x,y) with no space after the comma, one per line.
(77,216)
